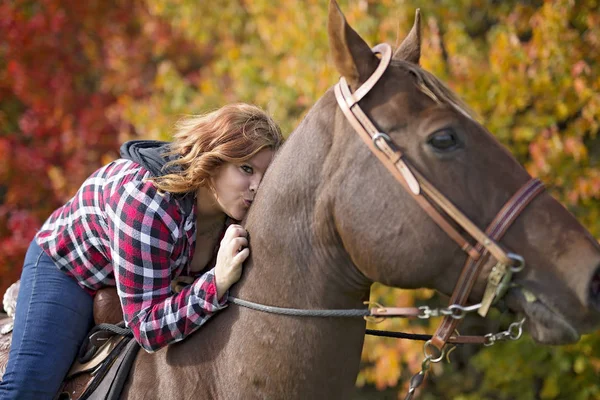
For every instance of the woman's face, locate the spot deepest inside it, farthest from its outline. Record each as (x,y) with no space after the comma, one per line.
(235,185)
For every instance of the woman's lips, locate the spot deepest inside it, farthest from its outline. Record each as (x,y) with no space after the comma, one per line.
(247,202)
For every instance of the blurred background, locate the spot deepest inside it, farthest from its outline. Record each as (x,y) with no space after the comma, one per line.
(77,78)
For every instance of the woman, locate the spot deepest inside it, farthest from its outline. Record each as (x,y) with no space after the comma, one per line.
(137,223)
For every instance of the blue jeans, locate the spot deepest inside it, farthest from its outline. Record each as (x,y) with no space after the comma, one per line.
(52,317)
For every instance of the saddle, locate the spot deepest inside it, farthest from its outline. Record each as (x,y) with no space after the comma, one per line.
(104,361)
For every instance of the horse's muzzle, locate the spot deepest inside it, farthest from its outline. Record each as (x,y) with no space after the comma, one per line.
(595,290)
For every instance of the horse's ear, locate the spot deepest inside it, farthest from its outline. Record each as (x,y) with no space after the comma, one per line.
(353,58)
(410,48)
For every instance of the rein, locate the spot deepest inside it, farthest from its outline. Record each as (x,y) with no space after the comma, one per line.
(422,312)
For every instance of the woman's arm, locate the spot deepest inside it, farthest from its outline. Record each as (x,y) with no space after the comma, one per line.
(142,227)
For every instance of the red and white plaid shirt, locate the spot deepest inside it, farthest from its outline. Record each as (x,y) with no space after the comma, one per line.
(118,230)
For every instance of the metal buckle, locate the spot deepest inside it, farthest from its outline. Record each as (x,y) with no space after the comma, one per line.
(380,135)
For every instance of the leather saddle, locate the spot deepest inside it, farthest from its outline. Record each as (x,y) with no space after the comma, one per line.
(104,361)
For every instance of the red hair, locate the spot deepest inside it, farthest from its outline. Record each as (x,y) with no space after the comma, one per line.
(231,134)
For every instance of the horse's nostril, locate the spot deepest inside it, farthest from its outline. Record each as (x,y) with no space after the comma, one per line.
(595,290)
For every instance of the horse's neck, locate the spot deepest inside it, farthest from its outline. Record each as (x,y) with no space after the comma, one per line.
(297,261)
(297,257)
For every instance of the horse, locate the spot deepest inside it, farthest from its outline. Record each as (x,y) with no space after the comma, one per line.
(330,220)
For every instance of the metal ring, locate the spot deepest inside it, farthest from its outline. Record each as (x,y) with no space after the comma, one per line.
(381,135)
(463,310)
(427,355)
(515,330)
(520,262)
(489,340)
(453,314)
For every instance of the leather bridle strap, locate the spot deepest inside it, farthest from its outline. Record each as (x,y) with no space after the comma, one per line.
(398,168)
(504,219)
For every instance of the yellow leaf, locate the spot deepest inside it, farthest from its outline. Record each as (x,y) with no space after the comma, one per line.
(550,389)
(579,365)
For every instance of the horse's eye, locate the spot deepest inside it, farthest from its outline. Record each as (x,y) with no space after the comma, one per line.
(444,139)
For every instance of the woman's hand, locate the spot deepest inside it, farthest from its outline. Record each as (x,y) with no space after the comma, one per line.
(233,251)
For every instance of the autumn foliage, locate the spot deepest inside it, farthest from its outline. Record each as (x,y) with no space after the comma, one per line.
(77,78)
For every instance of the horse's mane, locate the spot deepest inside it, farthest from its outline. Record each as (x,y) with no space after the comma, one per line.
(435,89)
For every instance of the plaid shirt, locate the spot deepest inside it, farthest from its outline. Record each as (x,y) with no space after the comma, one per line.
(118,230)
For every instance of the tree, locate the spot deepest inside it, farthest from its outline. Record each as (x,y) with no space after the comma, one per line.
(78,78)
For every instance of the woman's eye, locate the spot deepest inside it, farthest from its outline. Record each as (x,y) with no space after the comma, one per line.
(247,169)
(443,140)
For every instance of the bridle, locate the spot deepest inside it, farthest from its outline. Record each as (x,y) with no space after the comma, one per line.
(430,199)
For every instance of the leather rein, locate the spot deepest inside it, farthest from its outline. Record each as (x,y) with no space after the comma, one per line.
(430,199)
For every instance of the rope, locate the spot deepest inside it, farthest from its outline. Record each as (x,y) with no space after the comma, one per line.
(87,350)
(300,313)
(398,335)
(327,313)
(118,329)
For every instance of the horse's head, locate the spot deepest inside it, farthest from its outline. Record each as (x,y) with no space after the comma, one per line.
(392,240)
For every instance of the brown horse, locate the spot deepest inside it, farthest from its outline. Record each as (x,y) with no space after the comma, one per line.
(330,220)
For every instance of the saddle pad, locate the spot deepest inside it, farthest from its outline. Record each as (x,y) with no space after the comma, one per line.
(103,352)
